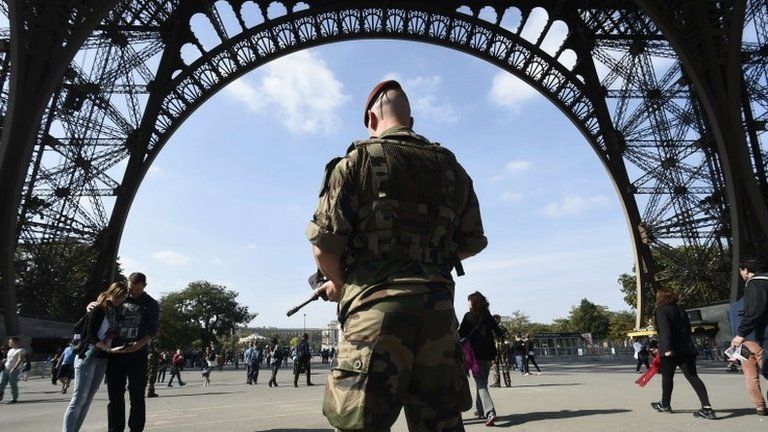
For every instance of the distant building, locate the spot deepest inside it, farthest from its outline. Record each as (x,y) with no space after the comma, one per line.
(287,333)
(332,335)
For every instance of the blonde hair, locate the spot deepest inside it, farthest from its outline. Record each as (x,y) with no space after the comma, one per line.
(116,290)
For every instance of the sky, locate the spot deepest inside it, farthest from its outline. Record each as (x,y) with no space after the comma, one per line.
(229,197)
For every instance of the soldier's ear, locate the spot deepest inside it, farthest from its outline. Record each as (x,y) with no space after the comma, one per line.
(411,126)
(373,121)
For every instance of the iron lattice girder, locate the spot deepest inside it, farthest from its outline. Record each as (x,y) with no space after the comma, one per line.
(672,170)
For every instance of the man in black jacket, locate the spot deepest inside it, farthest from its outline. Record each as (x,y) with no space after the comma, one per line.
(754,321)
(303,359)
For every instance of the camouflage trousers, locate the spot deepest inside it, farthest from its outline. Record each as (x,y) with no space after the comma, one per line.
(500,368)
(151,378)
(399,352)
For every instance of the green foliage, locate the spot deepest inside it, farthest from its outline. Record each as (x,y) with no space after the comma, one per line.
(622,322)
(588,317)
(519,323)
(52,279)
(200,314)
(294,341)
(699,276)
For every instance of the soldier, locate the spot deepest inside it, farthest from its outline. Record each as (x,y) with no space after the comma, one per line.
(395,215)
(153,362)
(500,363)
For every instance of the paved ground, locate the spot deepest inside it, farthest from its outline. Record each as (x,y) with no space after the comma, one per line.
(572,396)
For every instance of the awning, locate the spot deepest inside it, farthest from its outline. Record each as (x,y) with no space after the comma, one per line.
(698,328)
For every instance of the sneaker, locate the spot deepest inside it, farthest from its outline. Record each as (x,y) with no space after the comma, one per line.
(526,374)
(538,373)
(705,413)
(761,412)
(12,401)
(660,408)
(182,384)
(152,395)
(477,414)
(170,385)
(490,420)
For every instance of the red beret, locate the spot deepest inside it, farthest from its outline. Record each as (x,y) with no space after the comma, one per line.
(378,90)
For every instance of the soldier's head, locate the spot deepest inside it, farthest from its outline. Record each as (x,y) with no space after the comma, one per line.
(387,106)
(305,336)
(497,318)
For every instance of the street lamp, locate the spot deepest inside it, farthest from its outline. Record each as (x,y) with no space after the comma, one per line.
(305,323)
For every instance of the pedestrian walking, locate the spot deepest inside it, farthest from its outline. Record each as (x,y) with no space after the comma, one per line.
(276,359)
(531,354)
(67,365)
(177,364)
(677,350)
(479,327)
(751,327)
(641,354)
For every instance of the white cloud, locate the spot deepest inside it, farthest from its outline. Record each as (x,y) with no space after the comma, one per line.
(428,102)
(513,167)
(171,258)
(251,246)
(299,90)
(511,196)
(573,205)
(129,264)
(509,91)
(517,166)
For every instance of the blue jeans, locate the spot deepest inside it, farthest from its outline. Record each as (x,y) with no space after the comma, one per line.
(520,364)
(89,373)
(483,401)
(13,379)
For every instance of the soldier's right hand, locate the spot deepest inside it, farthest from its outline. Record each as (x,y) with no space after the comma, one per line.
(90,306)
(332,292)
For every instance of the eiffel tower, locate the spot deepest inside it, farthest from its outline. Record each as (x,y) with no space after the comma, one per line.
(671,95)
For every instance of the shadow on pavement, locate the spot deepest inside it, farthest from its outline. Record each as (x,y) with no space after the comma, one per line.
(723,414)
(197,394)
(546,385)
(518,419)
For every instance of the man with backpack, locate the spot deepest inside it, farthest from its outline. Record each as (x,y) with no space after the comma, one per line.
(752,328)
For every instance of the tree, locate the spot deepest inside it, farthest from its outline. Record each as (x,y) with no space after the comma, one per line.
(53,278)
(519,323)
(588,317)
(699,276)
(202,311)
(622,322)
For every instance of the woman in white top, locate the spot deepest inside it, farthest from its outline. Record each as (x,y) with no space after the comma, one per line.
(12,369)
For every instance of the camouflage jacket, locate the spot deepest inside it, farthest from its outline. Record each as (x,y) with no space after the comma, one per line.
(347,188)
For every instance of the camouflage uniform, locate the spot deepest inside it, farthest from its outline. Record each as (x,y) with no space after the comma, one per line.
(399,208)
(500,365)
(153,362)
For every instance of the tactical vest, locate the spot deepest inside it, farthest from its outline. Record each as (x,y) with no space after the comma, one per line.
(413,212)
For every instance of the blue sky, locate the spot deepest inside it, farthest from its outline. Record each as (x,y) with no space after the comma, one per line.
(229,197)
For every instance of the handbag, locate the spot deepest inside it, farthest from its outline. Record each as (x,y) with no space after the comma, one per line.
(470,360)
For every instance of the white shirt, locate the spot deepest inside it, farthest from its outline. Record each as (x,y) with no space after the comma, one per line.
(13,356)
(102,333)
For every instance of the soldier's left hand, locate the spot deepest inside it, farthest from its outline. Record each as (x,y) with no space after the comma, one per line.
(331,291)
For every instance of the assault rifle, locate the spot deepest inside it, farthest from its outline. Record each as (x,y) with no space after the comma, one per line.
(315,281)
